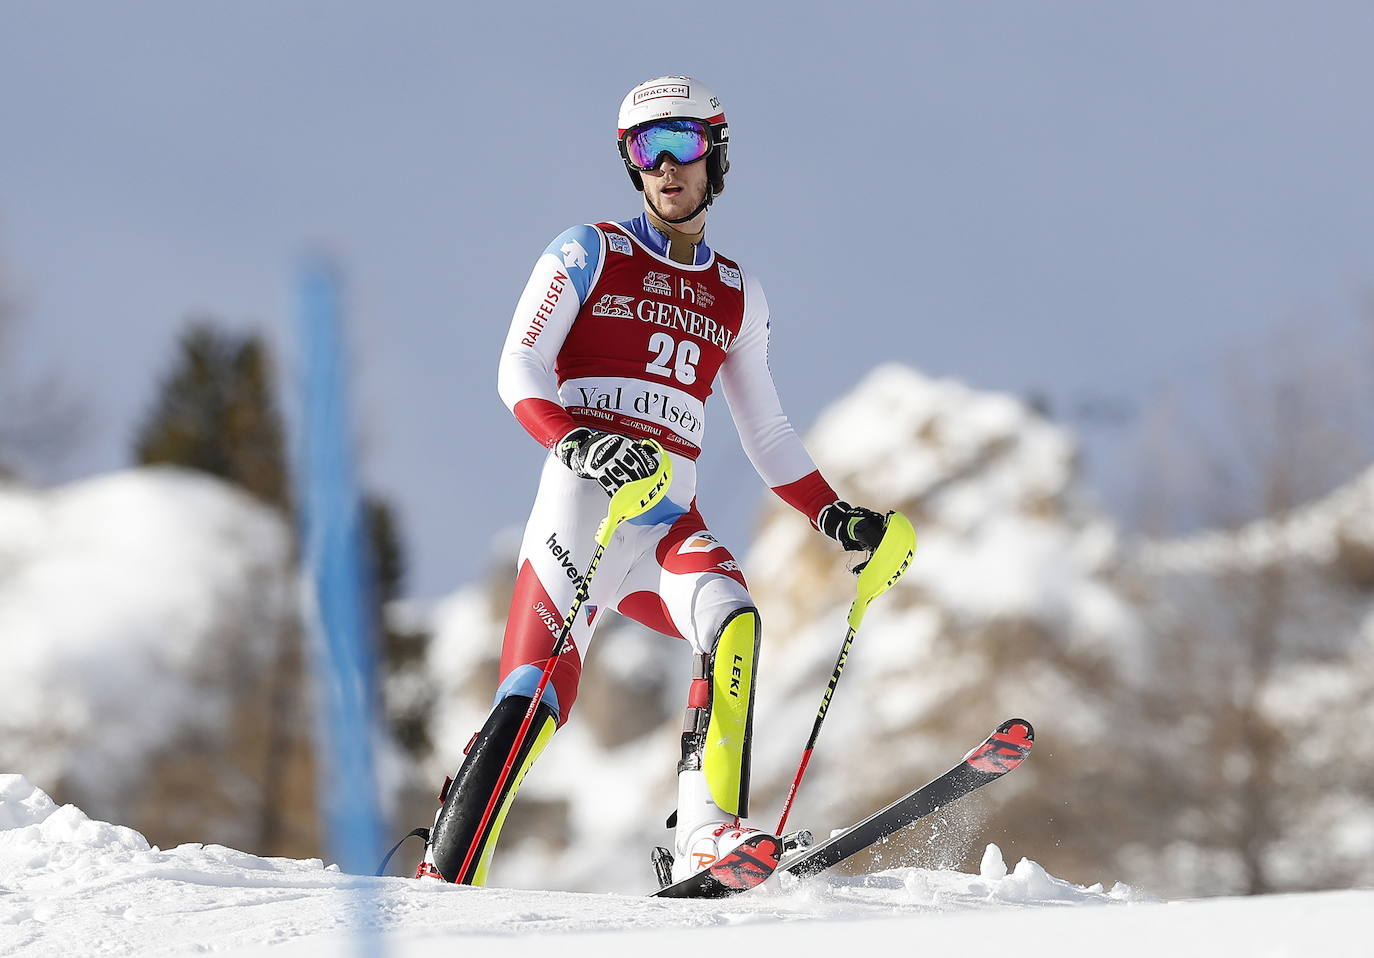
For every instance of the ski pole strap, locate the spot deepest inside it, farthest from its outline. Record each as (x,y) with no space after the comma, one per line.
(421,832)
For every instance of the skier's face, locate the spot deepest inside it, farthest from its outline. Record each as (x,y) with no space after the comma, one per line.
(676,190)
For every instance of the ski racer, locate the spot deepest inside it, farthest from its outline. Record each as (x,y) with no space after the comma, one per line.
(621,333)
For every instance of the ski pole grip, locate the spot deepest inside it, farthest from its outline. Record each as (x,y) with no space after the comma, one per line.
(637,496)
(888,563)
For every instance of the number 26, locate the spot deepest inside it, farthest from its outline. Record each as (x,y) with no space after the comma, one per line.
(684,356)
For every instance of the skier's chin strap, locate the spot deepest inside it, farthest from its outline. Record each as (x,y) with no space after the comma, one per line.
(705,202)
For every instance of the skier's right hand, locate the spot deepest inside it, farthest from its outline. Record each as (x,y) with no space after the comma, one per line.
(855,528)
(609,459)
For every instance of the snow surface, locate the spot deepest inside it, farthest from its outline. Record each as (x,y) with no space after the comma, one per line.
(73,886)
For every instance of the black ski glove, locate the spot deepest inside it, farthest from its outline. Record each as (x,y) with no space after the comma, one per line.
(854,527)
(609,459)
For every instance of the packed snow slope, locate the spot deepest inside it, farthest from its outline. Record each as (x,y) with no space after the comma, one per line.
(73,886)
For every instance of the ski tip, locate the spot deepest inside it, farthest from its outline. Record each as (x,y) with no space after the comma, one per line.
(1017,727)
(1005,748)
(749,864)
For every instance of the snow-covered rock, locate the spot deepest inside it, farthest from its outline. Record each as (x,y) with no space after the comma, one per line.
(1005,531)
(130,605)
(1262,637)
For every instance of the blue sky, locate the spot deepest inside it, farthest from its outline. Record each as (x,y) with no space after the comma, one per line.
(1090,200)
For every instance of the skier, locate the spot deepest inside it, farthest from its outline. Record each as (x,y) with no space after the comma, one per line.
(621,333)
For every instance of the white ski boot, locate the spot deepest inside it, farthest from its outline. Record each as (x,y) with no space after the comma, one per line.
(705,833)
(708,844)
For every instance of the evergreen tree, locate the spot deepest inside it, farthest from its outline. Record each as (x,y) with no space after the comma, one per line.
(402,651)
(216,412)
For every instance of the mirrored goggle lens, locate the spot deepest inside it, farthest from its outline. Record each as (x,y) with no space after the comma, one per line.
(686,141)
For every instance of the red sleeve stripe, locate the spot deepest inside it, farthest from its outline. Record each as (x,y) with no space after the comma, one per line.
(808,495)
(546,421)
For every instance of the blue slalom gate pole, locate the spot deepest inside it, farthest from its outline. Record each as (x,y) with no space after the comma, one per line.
(338,589)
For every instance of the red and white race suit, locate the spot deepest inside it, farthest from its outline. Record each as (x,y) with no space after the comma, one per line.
(611,334)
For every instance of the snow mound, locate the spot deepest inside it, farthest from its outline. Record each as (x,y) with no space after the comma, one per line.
(72,885)
(42,845)
(119,598)
(22,803)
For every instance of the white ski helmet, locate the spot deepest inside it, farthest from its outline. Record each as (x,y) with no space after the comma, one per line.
(671,98)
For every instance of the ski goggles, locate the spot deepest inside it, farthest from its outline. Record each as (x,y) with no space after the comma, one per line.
(685,141)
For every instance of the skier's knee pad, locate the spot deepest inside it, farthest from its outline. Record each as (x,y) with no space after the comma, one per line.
(715,599)
(456,829)
(523,681)
(719,728)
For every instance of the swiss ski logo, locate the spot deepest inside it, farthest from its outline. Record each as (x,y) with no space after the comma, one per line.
(573,254)
(613,306)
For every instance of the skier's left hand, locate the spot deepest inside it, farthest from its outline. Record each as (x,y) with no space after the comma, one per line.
(854,527)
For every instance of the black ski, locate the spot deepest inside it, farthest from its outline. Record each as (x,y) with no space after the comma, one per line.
(1003,750)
